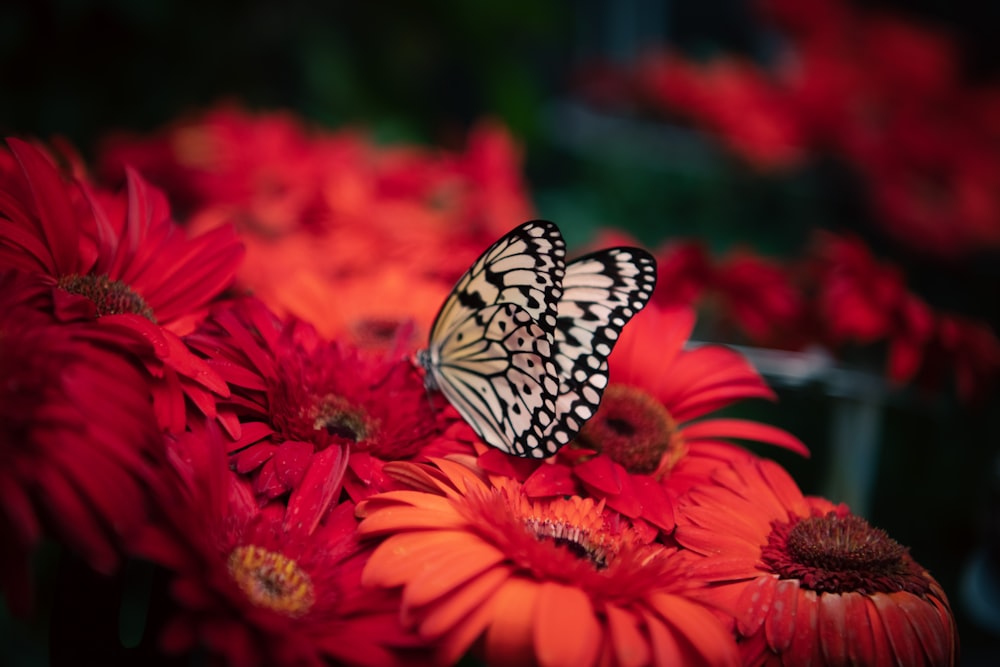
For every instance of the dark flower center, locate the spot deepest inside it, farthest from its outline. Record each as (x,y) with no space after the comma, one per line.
(112,297)
(272,580)
(338,417)
(570,537)
(834,554)
(634,429)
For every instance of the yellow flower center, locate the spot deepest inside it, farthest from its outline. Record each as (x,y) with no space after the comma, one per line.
(635,430)
(271,580)
(112,297)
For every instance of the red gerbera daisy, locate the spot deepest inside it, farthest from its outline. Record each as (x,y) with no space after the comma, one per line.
(278,585)
(651,437)
(550,582)
(296,395)
(123,262)
(77,436)
(808,582)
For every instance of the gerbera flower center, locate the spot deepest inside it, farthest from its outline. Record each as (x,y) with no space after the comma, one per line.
(272,580)
(112,297)
(575,539)
(834,554)
(634,429)
(338,417)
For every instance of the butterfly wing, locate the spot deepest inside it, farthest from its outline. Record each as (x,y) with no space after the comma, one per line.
(525,267)
(495,367)
(602,291)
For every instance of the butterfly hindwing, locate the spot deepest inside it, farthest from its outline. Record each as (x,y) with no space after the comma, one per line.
(496,369)
(602,291)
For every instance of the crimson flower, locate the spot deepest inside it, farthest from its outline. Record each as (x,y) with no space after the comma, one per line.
(863,301)
(809,582)
(271,585)
(732,98)
(652,436)
(483,568)
(296,395)
(78,436)
(123,262)
(740,294)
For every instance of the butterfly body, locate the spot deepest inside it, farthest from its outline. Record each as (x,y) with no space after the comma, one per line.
(520,346)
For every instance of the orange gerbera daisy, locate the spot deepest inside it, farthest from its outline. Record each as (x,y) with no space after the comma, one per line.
(808,582)
(123,262)
(651,438)
(523,582)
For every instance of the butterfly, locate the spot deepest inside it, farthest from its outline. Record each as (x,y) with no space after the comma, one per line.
(520,346)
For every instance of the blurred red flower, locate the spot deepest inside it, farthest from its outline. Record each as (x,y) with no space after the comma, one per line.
(740,296)
(78,437)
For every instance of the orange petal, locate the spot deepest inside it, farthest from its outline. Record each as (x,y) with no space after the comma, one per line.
(700,627)
(509,638)
(401,558)
(457,642)
(451,570)
(559,608)
(446,613)
(630,648)
(395,519)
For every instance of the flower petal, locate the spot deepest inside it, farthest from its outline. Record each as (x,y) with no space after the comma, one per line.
(559,607)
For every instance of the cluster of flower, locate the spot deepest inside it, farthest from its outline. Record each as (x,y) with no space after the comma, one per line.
(232,400)
(882,93)
(838,296)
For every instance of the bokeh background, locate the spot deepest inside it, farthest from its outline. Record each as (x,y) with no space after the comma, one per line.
(598,96)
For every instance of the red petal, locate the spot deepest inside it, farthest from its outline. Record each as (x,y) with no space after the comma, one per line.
(319,487)
(755,604)
(291,461)
(833,628)
(780,624)
(859,638)
(59,225)
(710,429)
(657,508)
(550,480)
(601,473)
(254,457)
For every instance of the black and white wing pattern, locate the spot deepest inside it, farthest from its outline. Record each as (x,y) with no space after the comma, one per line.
(496,369)
(503,384)
(520,346)
(602,291)
(525,267)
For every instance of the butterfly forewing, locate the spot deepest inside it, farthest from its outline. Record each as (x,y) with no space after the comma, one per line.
(525,268)
(495,368)
(602,291)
